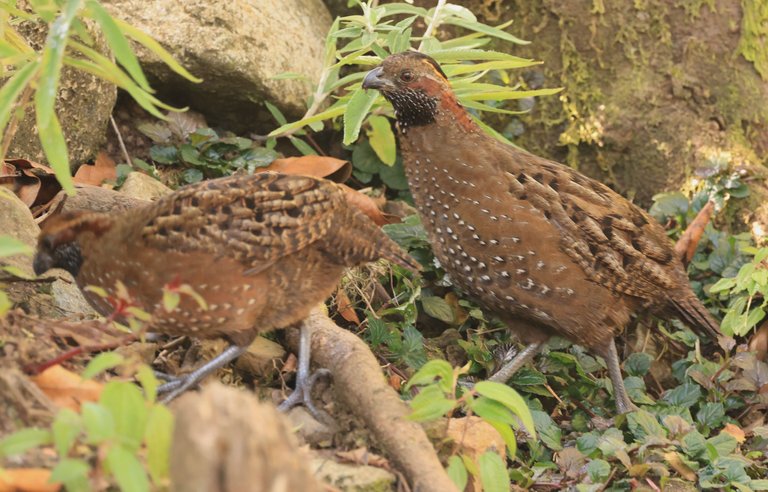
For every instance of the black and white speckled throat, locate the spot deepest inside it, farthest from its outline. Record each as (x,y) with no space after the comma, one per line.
(68,257)
(413,107)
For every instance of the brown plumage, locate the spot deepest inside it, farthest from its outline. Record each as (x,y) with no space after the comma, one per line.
(548,249)
(260,250)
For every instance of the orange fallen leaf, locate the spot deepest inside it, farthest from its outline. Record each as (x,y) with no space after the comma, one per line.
(27,480)
(345,307)
(735,431)
(365,204)
(103,169)
(686,245)
(330,168)
(395,382)
(65,388)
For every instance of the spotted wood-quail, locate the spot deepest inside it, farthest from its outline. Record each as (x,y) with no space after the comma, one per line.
(549,250)
(260,251)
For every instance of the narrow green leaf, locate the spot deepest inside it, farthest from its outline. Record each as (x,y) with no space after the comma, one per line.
(25,439)
(382,140)
(493,472)
(148,381)
(51,64)
(302,146)
(457,472)
(10,246)
(55,148)
(430,404)
(5,304)
(276,113)
(356,111)
(158,438)
(148,42)
(508,434)
(509,398)
(101,363)
(11,91)
(482,28)
(127,470)
(504,95)
(119,44)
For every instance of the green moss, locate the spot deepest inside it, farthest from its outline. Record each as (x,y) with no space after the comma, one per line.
(693,7)
(753,44)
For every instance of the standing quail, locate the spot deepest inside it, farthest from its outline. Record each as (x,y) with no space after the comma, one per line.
(260,251)
(549,250)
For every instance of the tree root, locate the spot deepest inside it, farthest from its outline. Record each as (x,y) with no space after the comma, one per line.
(364,390)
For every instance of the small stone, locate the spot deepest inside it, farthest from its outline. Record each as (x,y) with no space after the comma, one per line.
(144,187)
(259,360)
(314,432)
(475,436)
(353,478)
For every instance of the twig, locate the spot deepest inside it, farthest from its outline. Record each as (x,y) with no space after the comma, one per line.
(120,141)
(364,390)
(34,369)
(433,23)
(13,126)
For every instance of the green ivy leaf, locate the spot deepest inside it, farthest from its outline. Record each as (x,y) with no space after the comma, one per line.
(493,472)
(65,428)
(434,369)
(598,470)
(457,472)
(438,308)
(638,364)
(73,473)
(127,470)
(128,409)
(98,422)
(512,400)
(550,433)
(430,404)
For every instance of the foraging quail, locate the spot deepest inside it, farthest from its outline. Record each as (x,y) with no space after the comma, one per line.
(549,250)
(260,251)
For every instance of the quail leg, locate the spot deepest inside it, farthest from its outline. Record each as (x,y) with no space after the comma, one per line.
(623,403)
(522,358)
(302,393)
(176,386)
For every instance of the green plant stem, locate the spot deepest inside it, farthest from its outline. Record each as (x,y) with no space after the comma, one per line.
(433,23)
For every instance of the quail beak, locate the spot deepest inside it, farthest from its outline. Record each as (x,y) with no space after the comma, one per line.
(375,79)
(42,263)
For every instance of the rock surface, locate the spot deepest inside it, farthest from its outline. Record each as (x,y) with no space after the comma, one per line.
(16,221)
(83,106)
(144,187)
(237,48)
(353,478)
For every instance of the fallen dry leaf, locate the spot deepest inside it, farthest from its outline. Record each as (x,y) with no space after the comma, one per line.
(345,307)
(34,184)
(674,460)
(27,480)
(735,431)
(103,169)
(474,436)
(330,168)
(65,388)
(686,245)
(395,382)
(365,204)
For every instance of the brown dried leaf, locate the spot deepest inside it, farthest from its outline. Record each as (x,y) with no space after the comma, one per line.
(27,480)
(674,460)
(345,307)
(65,388)
(686,245)
(330,168)
(103,169)
(365,204)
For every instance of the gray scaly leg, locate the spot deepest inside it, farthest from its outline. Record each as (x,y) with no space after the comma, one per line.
(176,386)
(521,359)
(623,403)
(302,394)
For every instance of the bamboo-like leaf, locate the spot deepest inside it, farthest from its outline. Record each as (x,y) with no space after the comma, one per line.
(382,139)
(119,44)
(484,107)
(148,42)
(356,111)
(503,95)
(458,54)
(482,28)
(52,61)
(331,112)
(453,70)
(55,148)
(11,90)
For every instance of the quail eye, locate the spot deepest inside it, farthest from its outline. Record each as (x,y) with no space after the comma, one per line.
(406,76)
